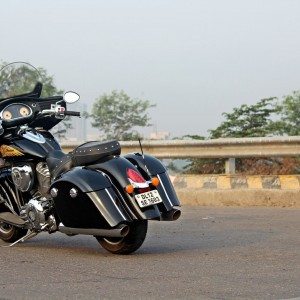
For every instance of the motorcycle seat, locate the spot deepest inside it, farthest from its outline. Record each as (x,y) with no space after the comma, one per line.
(92,152)
(85,154)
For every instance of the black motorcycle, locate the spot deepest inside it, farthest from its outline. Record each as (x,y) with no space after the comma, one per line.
(92,190)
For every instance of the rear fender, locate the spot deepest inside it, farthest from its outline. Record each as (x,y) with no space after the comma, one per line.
(147,163)
(95,206)
(116,169)
(154,167)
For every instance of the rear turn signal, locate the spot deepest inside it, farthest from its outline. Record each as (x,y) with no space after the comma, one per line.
(129,189)
(155,181)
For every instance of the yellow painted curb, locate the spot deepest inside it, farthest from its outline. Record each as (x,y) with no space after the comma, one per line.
(289,182)
(224,182)
(254,182)
(194,182)
(228,182)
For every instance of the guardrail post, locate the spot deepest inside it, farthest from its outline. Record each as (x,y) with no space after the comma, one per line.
(230,166)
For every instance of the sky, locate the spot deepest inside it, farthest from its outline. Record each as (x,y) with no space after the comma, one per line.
(193,59)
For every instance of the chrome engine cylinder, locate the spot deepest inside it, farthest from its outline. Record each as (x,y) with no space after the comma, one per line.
(23,177)
(43,176)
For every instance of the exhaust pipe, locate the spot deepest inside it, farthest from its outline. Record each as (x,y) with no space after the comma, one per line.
(121,231)
(171,215)
(11,219)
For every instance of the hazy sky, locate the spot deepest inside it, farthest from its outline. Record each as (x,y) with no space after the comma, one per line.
(194,59)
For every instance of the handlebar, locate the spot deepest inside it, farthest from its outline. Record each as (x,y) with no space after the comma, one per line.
(59,112)
(72,113)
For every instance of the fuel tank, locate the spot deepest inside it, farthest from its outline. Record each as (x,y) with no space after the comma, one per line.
(39,147)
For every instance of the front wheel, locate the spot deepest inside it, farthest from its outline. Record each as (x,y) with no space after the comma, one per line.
(128,244)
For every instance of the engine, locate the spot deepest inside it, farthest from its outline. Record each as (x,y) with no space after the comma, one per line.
(24,178)
(37,213)
(43,177)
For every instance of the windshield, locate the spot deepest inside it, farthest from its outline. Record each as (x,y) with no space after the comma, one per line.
(17,78)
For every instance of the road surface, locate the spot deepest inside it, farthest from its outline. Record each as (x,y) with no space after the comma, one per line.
(210,253)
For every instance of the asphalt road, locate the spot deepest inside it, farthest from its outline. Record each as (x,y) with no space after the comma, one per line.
(211,253)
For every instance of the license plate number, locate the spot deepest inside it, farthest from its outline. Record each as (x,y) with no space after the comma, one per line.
(148,198)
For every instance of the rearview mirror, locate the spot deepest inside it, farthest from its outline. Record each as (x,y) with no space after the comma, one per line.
(71,97)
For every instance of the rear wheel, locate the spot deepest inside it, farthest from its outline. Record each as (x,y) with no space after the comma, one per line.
(128,244)
(10,234)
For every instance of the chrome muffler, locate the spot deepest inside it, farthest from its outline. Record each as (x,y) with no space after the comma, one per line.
(171,215)
(121,231)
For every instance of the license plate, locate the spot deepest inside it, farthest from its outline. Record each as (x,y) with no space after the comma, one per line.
(148,198)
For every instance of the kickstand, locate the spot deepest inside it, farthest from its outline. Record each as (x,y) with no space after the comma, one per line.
(28,236)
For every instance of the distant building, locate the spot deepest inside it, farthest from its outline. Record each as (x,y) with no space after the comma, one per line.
(94,137)
(160,135)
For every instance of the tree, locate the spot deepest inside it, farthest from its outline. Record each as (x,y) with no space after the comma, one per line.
(116,115)
(289,112)
(268,117)
(248,120)
(21,78)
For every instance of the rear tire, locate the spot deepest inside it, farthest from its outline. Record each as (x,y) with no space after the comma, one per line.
(128,244)
(10,234)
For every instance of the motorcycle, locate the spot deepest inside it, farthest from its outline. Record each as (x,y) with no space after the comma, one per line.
(92,190)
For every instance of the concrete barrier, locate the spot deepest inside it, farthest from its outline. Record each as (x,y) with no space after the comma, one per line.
(237,190)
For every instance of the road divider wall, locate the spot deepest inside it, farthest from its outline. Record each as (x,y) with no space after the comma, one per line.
(239,190)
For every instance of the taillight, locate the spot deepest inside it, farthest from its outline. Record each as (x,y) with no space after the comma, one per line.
(135,176)
(136,182)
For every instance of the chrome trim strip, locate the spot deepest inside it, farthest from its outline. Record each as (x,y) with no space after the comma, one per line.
(129,210)
(165,190)
(8,202)
(113,201)
(34,137)
(102,209)
(13,194)
(139,185)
